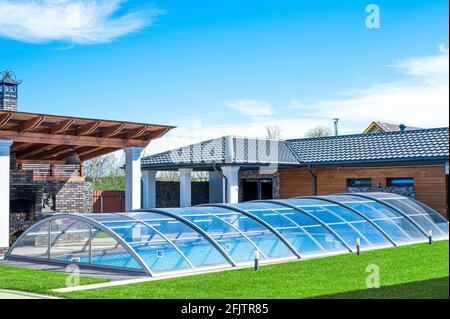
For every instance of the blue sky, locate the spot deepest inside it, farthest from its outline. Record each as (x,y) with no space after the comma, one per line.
(230,67)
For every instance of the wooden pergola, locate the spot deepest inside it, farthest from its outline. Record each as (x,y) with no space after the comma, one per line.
(52,139)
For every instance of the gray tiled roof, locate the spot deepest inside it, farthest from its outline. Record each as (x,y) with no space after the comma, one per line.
(425,144)
(414,145)
(249,151)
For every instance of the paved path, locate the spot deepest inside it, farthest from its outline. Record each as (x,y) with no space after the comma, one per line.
(14,294)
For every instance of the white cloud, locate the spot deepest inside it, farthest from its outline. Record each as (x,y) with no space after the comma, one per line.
(420,99)
(251,107)
(72,21)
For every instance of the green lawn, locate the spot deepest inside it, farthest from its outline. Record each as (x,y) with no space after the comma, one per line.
(418,271)
(36,280)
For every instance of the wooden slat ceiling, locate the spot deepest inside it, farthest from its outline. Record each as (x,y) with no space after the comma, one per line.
(44,138)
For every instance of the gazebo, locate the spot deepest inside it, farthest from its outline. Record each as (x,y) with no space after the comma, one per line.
(57,141)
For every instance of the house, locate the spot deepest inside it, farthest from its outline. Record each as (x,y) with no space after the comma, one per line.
(42,160)
(409,162)
(377,127)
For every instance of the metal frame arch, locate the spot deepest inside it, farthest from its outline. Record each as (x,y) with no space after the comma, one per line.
(427,208)
(165,237)
(318,220)
(421,205)
(264,223)
(291,220)
(386,217)
(232,226)
(326,199)
(389,206)
(193,226)
(348,224)
(92,222)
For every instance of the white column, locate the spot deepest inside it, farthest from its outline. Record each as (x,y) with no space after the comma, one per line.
(232,187)
(149,189)
(185,187)
(5,150)
(133,177)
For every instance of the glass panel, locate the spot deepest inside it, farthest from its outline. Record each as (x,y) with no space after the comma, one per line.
(302,242)
(349,235)
(197,249)
(326,239)
(298,217)
(106,251)
(233,242)
(346,214)
(155,251)
(393,230)
(372,234)
(34,243)
(273,219)
(323,214)
(73,244)
(417,213)
(58,226)
(391,219)
(268,243)
(431,220)
(160,256)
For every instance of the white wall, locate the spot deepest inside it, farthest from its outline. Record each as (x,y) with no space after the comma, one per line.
(5,147)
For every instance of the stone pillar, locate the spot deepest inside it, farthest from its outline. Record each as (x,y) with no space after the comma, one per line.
(133,177)
(232,191)
(149,189)
(216,188)
(5,150)
(185,187)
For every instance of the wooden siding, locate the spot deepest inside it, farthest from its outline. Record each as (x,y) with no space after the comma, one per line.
(429,180)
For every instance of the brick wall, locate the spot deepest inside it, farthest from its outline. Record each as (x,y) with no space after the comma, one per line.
(69,197)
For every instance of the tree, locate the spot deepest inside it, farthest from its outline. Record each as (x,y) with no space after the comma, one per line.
(106,171)
(273,132)
(319,131)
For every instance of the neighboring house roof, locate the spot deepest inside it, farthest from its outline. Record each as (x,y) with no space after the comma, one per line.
(377,126)
(406,146)
(415,145)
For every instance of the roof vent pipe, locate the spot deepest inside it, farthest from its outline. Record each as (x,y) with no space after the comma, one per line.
(336,123)
(402,127)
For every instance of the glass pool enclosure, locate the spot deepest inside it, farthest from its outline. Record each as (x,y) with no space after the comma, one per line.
(159,242)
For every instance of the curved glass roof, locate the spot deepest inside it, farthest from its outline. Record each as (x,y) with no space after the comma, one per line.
(214,236)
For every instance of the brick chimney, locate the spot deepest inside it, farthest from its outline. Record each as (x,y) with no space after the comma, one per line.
(8,91)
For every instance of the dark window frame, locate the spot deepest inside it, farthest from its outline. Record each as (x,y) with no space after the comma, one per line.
(389,181)
(351,181)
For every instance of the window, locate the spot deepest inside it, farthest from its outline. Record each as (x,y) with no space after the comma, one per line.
(400,182)
(254,189)
(359,182)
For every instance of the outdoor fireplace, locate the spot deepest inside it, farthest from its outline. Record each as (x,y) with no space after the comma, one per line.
(23,206)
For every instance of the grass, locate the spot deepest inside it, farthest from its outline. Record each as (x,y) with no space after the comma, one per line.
(36,281)
(417,271)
